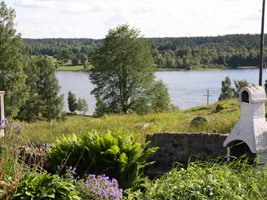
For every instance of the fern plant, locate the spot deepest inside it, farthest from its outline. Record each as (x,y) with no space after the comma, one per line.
(115,154)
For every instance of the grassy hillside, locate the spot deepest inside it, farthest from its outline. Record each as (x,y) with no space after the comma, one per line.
(178,121)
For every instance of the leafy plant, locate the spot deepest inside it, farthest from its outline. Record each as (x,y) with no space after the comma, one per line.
(219,107)
(94,187)
(208,180)
(115,154)
(42,186)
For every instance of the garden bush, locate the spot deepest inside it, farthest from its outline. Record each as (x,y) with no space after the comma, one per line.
(236,180)
(115,154)
(41,186)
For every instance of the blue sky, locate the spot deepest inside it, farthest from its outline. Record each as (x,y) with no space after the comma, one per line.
(155,18)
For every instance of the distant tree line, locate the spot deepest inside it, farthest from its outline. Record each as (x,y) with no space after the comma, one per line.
(229,51)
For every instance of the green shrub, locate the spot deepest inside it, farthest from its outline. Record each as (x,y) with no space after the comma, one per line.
(43,186)
(219,107)
(208,181)
(115,154)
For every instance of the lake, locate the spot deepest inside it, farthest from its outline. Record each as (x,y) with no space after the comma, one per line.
(187,88)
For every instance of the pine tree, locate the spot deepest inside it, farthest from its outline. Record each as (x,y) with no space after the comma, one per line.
(48,88)
(12,77)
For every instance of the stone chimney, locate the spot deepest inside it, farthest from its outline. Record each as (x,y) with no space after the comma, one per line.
(249,135)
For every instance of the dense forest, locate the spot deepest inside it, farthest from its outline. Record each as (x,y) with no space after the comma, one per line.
(229,51)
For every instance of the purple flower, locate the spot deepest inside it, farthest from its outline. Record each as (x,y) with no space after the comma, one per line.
(18,127)
(10,126)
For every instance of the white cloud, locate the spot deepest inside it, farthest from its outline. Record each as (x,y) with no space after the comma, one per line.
(34,3)
(155,18)
(76,8)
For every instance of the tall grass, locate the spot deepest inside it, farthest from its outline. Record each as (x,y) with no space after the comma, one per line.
(178,121)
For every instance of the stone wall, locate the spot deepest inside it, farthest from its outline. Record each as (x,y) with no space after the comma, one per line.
(180,147)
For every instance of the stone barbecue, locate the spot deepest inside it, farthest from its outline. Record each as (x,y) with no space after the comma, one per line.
(249,135)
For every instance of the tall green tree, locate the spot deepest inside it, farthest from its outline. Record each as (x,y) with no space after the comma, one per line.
(123,69)
(72,101)
(12,77)
(48,88)
(226,91)
(34,106)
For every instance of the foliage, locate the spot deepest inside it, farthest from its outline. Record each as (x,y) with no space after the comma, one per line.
(100,108)
(208,180)
(72,101)
(48,88)
(33,108)
(115,154)
(239,84)
(10,169)
(43,186)
(11,63)
(123,69)
(227,91)
(160,98)
(79,105)
(94,187)
(82,105)
(75,61)
(181,53)
(43,102)
(219,107)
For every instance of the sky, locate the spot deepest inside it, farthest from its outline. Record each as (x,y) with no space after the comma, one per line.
(154,18)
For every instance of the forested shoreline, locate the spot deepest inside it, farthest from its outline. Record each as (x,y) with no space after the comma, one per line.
(191,53)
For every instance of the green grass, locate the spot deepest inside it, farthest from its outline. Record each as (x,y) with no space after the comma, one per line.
(68,66)
(178,121)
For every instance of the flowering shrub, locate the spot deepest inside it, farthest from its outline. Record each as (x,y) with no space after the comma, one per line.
(94,187)
(10,168)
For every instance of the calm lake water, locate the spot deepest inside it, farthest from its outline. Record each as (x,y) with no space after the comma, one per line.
(186,88)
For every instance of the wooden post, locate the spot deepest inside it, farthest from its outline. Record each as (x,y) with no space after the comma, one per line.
(262,43)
